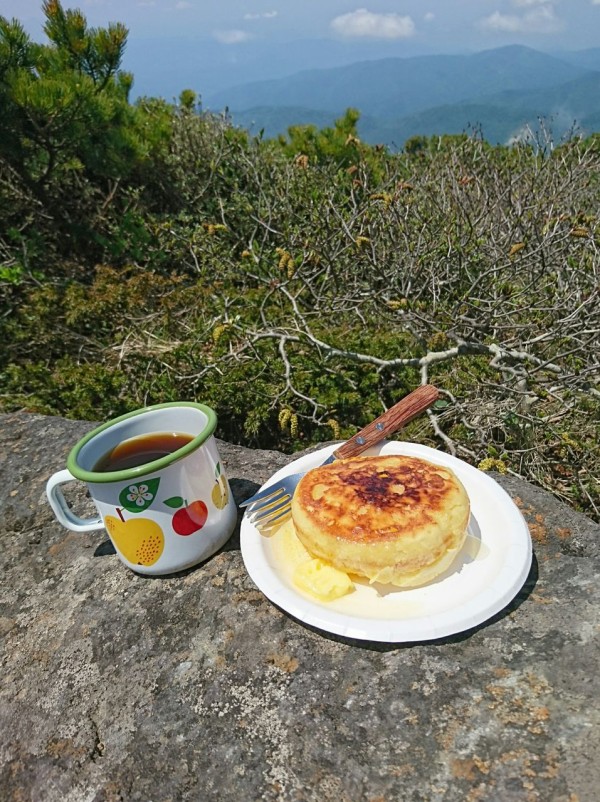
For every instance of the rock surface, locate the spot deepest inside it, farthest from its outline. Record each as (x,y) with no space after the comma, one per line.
(115,687)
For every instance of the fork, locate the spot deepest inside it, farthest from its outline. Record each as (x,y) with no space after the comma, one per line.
(271,505)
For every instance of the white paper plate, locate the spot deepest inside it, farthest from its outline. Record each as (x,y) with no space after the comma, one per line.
(485,576)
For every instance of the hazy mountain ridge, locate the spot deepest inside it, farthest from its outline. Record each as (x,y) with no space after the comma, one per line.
(589,59)
(500,91)
(208,67)
(574,106)
(393,86)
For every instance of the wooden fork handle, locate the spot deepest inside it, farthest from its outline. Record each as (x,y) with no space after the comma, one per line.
(395,418)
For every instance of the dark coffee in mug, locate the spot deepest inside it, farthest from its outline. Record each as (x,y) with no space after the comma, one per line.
(141,450)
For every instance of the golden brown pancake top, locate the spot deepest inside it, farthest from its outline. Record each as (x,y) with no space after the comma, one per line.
(377,498)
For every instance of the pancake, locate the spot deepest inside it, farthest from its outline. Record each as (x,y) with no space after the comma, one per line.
(390,518)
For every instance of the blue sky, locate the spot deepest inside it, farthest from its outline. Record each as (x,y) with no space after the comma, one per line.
(434,25)
(173,41)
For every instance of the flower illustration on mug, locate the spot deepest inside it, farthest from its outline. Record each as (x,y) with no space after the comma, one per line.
(138,497)
(139,494)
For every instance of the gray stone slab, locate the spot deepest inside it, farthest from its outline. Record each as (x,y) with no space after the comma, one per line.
(115,687)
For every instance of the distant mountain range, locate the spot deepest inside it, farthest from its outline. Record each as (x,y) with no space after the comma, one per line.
(163,66)
(500,92)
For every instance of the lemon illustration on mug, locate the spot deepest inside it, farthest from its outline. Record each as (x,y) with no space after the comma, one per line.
(220,491)
(140,540)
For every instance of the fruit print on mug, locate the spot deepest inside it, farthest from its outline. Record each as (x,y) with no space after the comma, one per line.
(220,491)
(142,543)
(189,518)
(140,540)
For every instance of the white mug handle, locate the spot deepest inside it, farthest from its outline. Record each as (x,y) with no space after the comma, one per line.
(62,510)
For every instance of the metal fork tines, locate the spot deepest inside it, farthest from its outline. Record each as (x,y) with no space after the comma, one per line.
(271,509)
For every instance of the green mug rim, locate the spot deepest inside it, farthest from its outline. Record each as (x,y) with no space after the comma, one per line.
(148,467)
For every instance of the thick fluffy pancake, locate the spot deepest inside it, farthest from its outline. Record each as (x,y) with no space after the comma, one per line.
(389,518)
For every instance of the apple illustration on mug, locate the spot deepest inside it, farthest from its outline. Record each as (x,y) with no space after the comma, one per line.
(189,518)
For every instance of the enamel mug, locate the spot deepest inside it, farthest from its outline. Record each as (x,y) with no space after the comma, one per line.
(164,515)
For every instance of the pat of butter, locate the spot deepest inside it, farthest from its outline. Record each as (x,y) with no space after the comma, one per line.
(322,580)
(315,577)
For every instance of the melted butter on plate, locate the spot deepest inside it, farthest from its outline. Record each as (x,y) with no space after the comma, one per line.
(313,576)
(356,596)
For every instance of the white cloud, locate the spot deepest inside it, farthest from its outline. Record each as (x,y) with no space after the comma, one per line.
(232,37)
(541,19)
(183,4)
(596,2)
(525,3)
(264,15)
(378,26)
(431,16)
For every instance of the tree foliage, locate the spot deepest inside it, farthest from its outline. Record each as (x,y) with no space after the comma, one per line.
(153,252)
(70,137)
